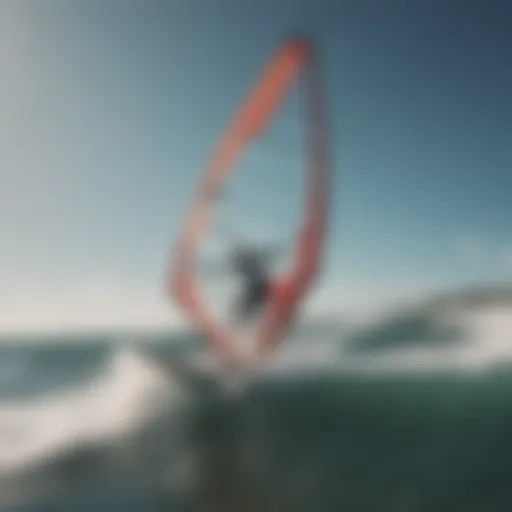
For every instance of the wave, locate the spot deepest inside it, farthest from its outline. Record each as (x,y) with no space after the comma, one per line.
(452,334)
(127,394)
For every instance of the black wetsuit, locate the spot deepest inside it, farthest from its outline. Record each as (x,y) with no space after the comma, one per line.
(252,268)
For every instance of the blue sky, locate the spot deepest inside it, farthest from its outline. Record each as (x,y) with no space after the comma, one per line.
(110,109)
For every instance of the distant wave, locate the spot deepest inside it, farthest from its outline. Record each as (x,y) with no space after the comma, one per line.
(467,331)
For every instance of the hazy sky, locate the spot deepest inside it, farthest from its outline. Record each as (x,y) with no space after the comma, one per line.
(110,109)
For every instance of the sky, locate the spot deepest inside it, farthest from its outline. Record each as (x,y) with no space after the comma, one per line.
(110,109)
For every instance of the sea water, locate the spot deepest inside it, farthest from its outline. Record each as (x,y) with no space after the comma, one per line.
(416,421)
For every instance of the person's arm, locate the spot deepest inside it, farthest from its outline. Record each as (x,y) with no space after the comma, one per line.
(308,253)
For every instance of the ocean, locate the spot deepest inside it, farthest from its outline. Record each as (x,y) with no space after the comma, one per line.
(410,413)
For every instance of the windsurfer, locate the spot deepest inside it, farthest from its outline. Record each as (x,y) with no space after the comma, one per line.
(275,301)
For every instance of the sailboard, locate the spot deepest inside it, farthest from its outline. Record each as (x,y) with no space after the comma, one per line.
(294,62)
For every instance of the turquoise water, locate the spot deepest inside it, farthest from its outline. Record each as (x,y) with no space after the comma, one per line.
(323,439)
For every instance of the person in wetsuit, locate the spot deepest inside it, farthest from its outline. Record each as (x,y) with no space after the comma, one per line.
(252,266)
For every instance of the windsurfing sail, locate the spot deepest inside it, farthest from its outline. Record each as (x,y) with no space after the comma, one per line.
(295,61)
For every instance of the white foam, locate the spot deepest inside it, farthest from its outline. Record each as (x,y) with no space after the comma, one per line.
(121,399)
(486,342)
